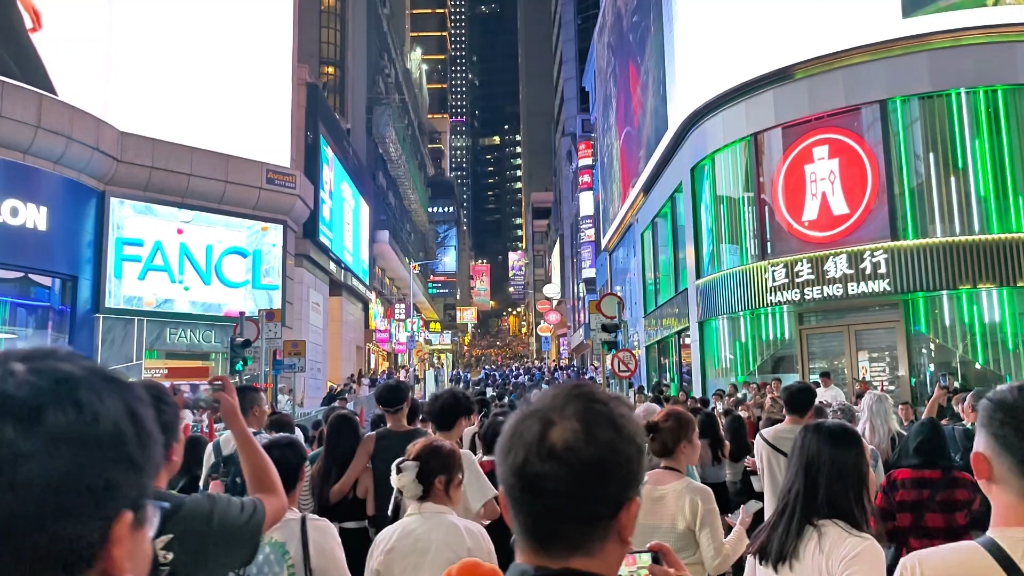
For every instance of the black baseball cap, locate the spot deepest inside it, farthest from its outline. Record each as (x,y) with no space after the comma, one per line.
(392,395)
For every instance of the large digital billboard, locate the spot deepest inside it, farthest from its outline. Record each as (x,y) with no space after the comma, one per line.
(517,275)
(447,249)
(212,74)
(166,259)
(630,100)
(344,226)
(481,285)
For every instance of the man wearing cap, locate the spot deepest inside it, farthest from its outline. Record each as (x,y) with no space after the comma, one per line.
(380,449)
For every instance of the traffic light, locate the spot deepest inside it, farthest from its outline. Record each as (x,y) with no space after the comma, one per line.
(610,335)
(237,358)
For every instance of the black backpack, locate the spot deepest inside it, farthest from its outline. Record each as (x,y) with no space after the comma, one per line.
(229,468)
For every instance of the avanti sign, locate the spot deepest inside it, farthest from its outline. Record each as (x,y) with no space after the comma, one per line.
(166,259)
(825,185)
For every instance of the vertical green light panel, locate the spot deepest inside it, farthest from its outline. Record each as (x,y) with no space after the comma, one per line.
(664,256)
(726,205)
(680,217)
(746,347)
(956,160)
(647,245)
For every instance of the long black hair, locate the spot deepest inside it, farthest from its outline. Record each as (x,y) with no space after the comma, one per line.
(709,429)
(826,479)
(739,442)
(342,435)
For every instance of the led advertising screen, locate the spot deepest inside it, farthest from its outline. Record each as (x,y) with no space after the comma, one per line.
(344,226)
(517,275)
(481,285)
(167,70)
(630,100)
(165,259)
(466,315)
(447,249)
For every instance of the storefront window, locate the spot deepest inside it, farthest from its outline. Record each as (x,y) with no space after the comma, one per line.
(647,245)
(751,347)
(35,310)
(680,214)
(726,206)
(652,365)
(956,163)
(668,363)
(664,254)
(974,336)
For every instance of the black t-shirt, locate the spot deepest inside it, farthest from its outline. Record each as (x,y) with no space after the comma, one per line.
(206,533)
(388,446)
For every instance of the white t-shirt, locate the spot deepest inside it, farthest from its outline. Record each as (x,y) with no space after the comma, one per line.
(280,551)
(428,541)
(467,436)
(771,466)
(832,394)
(833,549)
(964,557)
(476,488)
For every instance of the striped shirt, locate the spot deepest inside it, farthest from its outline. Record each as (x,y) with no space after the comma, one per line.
(924,508)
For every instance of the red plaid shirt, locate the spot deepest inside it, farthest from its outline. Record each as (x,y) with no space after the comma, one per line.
(915,516)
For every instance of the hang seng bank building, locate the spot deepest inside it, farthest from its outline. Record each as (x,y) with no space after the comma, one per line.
(862,215)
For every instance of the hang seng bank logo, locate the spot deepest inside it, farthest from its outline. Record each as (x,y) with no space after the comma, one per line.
(826,185)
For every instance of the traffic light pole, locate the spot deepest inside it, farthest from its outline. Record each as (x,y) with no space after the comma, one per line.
(241,332)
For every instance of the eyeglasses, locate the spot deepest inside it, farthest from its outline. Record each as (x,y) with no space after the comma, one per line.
(153,512)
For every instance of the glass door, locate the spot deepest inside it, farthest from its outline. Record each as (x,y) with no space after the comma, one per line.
(871,354)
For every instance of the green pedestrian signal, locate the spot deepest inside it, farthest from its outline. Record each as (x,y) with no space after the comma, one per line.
(238,360)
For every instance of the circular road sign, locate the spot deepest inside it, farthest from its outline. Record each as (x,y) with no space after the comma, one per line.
(543,306)
(251,330)
(608,305)
(624,364)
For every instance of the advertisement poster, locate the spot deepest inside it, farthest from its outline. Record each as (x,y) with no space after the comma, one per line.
(466,315)
(630,100)
(913,8)
(447,249)
(481,286)
(517,275)
(166,259)
(344,225)
(92,54)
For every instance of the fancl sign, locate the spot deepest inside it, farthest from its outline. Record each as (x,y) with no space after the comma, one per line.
(14,212)
(166,259)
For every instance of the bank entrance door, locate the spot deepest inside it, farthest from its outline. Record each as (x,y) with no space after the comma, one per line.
(873,352)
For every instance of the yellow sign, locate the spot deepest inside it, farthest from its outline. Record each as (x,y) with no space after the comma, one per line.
(294,348)
(434,327)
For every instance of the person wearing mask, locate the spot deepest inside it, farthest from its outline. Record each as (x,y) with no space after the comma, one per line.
(451,412)
(186,480)
(380,448)
(907,414)
(498,529)
(678,511)
(829,393)
(878,425)
(220,454)
(574,502)
(299,540)
(773,445)
(87,452)
(714,451)
(925,501)
(847,413)
(209,533)
(431,537)
(822,521)
(998,463)
(349,513)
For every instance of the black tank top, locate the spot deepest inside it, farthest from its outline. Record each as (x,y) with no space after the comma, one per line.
(388,446)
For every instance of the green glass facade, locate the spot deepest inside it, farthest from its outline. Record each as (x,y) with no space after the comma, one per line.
(726,206)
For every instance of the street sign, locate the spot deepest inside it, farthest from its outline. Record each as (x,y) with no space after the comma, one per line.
(293,358)
(257,356)
(294,348)
(251,330)
(624,363)
(552,317)
(608,305)
(545,343)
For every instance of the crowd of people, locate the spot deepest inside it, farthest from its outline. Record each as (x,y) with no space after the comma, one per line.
(525,470)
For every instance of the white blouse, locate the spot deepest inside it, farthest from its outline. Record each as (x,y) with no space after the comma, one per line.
(426,542)
(684,515)
(831,548)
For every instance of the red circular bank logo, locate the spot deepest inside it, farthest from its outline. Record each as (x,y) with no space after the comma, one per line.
(825,185)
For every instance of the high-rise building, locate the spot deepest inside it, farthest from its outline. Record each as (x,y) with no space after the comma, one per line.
(431,46)
(459,160)
(496,176)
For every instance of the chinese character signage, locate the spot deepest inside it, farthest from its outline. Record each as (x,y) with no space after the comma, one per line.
(517,275)
(855,273)
(828,185)
(400,311)
(481,285)
(434,326)
(588,235)
(466,315)
(563,347)
(585,152)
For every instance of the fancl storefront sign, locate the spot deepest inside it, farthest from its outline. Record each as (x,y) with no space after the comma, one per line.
(14,212)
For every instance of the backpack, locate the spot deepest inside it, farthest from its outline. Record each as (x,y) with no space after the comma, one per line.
(230,470)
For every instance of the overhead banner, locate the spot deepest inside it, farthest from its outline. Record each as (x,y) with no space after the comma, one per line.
(517,275)
(481,282)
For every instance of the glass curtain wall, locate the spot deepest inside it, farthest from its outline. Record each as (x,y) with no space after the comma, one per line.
(665,256)
(35,310)
(751,347)
(726,204)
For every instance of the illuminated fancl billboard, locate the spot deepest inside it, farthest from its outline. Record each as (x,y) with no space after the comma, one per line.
(517,275)
(481,285)
(167,70)
(162,259)
(344,217)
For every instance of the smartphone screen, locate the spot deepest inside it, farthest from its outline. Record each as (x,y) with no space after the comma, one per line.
(636,563)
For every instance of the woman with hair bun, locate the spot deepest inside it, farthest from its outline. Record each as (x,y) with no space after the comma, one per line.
(430,537)
(678,511)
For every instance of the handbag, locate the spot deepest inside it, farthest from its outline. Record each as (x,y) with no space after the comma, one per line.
(306,567)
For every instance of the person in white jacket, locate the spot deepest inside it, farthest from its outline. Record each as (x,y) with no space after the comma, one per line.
(678,511)
(431,537)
